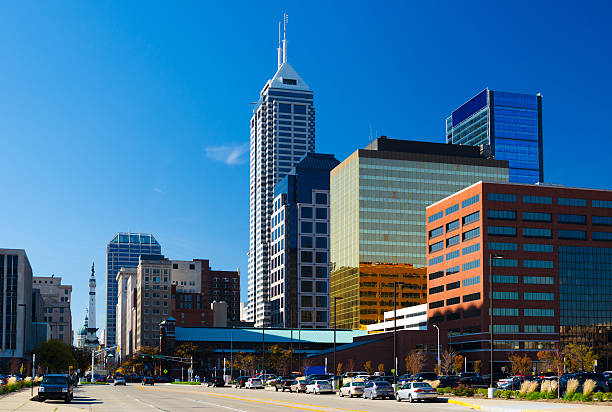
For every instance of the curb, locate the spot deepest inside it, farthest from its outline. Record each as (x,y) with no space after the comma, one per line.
(466,404)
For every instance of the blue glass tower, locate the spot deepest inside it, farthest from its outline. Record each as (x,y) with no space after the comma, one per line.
(507,124)
(123,251)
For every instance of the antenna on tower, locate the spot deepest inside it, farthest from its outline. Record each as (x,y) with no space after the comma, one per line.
(280,53)
(285,21)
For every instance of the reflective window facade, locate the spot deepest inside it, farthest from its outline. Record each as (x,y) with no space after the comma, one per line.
(509,123)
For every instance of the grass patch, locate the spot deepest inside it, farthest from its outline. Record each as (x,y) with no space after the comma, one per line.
(185,383)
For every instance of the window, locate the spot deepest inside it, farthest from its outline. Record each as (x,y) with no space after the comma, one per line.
(306,212)
(321,242)
(605,236)
(306,227)
(508,263)
(436,247)
(321,301)
(306,286)
(452,271)
(539,312)
(321,316)
(539,280)
(321,257)
(191,266)
(306,271)
(572,219)
(452,285)
(307,242)
(306,256)
(470,201)
(602,220)
(306,316)
(537,217)
(542,200)
(437,304)
(291,82)
(437,289)
(321,228)
(321,213)
(321,198)
(452,255)
(538,264)
(539,328)
(538,296)
(452,209)
(436,260)
(436,275)
(563,201)
(572,234)
(505,328)
(321,272)
(503,246)
(451,241)
(537,232)
(501,231)
(435,217)
(471,249)
(470,298)
(306,301)
(532,247)
(602,203)
(453,225)
(284,108)
(471,234)
(321,287)
(501,197)
(470,265)
(505,295)
(505,312)
(452,301)
(501,214)
(471,218)
(436,232)
(470,281)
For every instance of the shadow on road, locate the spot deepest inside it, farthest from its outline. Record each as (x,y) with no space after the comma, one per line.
(77,400)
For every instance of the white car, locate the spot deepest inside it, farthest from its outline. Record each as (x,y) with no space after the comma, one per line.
(416,391)
(253,383)
(351,389)
(318,387)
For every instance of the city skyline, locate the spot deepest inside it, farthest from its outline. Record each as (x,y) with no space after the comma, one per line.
(151,104)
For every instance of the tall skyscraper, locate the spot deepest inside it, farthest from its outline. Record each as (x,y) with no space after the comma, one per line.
(123,251)
(282,132)
(509,125)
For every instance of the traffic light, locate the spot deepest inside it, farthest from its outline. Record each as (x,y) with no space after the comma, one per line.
(99,347)
(118,348)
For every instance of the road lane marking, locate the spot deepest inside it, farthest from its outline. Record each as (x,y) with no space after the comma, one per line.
(466,404)
(217,405)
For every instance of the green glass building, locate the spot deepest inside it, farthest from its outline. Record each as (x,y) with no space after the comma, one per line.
(378,199)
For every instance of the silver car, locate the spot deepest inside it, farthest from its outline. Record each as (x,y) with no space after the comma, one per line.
(415,391)
(378,389)
(351,389)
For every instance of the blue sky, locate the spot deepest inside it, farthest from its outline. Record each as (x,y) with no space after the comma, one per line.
(135,115)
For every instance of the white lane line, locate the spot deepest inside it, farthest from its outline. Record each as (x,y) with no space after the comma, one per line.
(148,404)
(216,405)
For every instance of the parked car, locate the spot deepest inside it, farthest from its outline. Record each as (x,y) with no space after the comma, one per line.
(448,381)
(425,376)
(215,381)
(119,380)
(55,387)
(416,391)
(148,380)
(601,383)
(467,374)
(388,379)
(299,385)
(353,374)
(161,379)
(254,383)
(241,381)
(405,378)
(284,382)
(99,378)
(319,386)
(511,383)
(474,382)
(351,389)
(378,389)
(133,378)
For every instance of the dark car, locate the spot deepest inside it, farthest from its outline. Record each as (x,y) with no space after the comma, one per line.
(148,380)
(241,381)
(133,378)
(404,378)
(161,379)
(284,382)
(215,381)
(425,376)
(388,379)
(467,374)
(448,381)
(601,383)
(474,382)
(55,387)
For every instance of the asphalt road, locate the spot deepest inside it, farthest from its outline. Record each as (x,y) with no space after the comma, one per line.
(166,397)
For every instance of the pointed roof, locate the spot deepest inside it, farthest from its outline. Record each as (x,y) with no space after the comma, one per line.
(283,79)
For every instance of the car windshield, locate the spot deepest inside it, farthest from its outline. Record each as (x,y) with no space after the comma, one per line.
(382,383)
(421,385)
(54,380)
(322,382)
(358,383)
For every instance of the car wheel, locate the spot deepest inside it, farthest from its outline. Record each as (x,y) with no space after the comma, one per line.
(276,389)
(67,400)
(340,394)
(41,399)
(410,398)
(397,397)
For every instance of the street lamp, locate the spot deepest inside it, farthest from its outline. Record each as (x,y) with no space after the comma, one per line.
(395,330)
(436,326)
(336,299)
(491,257)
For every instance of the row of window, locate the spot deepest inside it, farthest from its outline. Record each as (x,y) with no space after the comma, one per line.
(505,295)
(526,328)
(468,202)
(533,232)
(454,301)
(548,200)
(567,218)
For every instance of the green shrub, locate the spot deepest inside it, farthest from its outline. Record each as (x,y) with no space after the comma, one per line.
(608,396)
(534,396)
(185,383)
(598,396)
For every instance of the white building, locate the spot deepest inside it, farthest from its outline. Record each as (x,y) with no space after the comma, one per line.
(410,318)
(125,277)
(282,131)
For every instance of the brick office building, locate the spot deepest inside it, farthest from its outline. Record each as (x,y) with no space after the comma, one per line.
(551,254)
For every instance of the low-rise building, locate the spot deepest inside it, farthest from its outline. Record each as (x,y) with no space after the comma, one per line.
(56,306)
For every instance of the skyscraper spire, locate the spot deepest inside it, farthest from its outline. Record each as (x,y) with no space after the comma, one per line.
(280,53)
(285,21)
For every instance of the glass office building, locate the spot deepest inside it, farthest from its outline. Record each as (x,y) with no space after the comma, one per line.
(378,200)
(506,125)
(123,250)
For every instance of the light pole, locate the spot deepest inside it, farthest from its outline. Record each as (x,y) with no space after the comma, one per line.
(491,257)
(336,299)
(395,330)
(436,326)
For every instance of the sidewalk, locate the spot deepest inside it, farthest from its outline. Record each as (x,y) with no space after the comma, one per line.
(19,400)
(503,405)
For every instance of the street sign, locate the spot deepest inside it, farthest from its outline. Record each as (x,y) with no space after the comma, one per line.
(165,371)
(190,370)
(392,370)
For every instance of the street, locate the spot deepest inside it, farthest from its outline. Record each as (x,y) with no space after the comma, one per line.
(166,397)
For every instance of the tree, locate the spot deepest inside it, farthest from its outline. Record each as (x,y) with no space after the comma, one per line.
(446,360)
(415,362)
(552,359)
(279,359)
(458,363)
(368,367)
(249,362)
(381,367)
(520,364)
(82,358)
(350,364)
(54,355)
(579,358)
(477,366)
(339,369)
